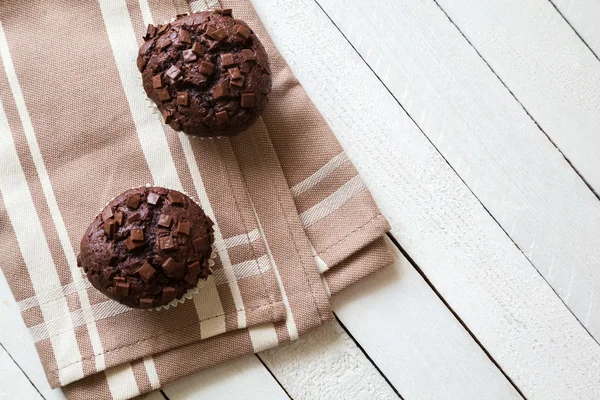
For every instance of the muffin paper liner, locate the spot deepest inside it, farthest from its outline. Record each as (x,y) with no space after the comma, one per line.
(211,262)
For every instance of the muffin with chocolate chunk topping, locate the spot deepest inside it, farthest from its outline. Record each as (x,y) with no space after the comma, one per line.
(147,247)
(207,72)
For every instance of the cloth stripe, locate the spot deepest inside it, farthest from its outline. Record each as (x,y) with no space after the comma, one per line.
(205,203)
(320,175)
(263,337)
(84,284)
(329,205)
(151,373)
(24,218)
(150,131)
(121,382)
(110,308)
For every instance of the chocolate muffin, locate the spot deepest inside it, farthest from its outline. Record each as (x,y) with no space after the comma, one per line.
(207,72)
(147,247)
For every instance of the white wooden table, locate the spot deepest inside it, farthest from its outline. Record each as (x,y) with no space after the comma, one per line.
(476,125)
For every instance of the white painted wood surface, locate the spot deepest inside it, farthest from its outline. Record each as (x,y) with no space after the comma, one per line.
(466,255)
(548,68)
(13,382)
(486,136)
(533,193)
(496,157)
(583,15)
(415,340)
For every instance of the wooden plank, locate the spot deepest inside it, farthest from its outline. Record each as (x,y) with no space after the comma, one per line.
(326,364)
(13,382)
(416,341)
(531,191)
(482,131)
(475,266)
(243,378)
(583,16)
(16,340)
(547,67)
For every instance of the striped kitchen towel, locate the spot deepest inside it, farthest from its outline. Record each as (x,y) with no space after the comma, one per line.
(294,221)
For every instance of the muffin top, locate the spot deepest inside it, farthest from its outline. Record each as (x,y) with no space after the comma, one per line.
(147,247)
(207,72)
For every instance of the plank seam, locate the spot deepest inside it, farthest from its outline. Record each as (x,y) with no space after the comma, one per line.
(460,321)
(574,30)
(21,369)
(450,165)
(385,378)
(274,377)
(518,102)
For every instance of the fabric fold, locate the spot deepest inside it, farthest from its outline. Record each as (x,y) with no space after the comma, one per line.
(294,221)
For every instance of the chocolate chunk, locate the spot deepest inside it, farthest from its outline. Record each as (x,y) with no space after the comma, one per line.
(150,32)
(146,271)
(198,49)
(206,68)
(227,59)
(157,82)
(220,90)
(120,279)
(194,268)
(183,228)
(166,243)
(107,213)
(248,100)
(216,34)
(172,268)
(222,118)
(242,32)
(210,32)
(174,73)
(189,278)
(238,82)
(224,11)
(110,227)
(234,73)
(175,125)
(153,198)
(163,28)
(137,235)
(168,294)
(189,56)
(183,99)
(167,115)
(163,94)
(164,43)
(122,289)
(133,201)
(200,244)
(146,302)
(175,198)
(135,217)
(119,218)
(132,245)
(248,55)
(165,220)
(184,36)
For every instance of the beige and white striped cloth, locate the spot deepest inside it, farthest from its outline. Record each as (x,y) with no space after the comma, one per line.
(294,221)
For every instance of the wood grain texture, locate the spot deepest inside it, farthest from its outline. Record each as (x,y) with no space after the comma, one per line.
(326,364)
(547,67)
(416,341)
(486,136)
(473,264)
(15,338)
(583,15)
(13,382)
